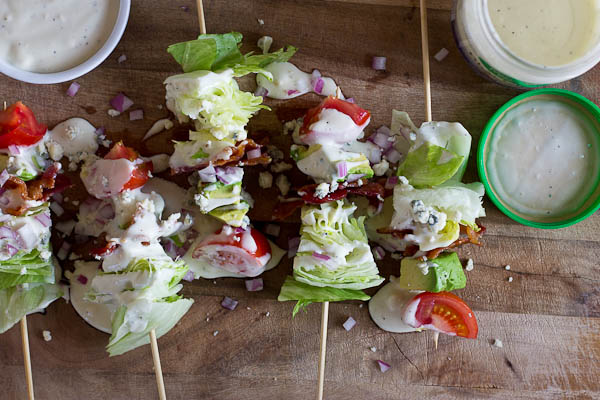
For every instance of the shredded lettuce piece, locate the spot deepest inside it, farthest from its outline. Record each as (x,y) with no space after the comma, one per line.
(18,301)
(26,268)
(306,294)
(429,165)
(215,52)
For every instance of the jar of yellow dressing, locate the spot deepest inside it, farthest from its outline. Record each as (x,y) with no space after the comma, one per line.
(528,43)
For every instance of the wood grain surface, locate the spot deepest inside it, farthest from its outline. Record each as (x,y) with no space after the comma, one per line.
(548,317)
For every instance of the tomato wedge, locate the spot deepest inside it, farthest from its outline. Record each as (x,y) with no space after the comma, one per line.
(244,252)
(18,127)
(443,312)
(142,171)
(358,115)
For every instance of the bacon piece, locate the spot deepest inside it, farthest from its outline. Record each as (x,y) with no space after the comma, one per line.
(307,193)
(399,234)
(472,237)
(286,209)
(369,189)
(410,250)
(107,249)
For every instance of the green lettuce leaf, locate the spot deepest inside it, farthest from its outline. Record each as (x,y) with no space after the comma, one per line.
(215,52)
(429,165)
(26,268)
(306,294)
(162,318)
(16,302)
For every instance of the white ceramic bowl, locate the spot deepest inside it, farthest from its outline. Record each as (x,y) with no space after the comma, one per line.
(81,69)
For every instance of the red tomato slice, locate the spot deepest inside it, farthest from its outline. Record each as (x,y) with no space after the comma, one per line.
(19,127)
(236,250)
(358,115)
(142,171)
(443,312)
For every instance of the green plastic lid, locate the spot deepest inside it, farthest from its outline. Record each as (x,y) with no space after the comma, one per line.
(591,201)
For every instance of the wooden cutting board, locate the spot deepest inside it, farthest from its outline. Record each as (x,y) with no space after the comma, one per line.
(547,317)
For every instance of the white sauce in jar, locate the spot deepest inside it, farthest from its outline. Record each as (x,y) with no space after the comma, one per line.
(542,161)
(54,35)
(546,32)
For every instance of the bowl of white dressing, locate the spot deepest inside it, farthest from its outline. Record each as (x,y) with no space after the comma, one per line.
(528,43)
(53,41)
(539,158)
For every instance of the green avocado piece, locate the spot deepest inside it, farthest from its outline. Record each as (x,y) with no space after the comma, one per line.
(231,215)
(444,273)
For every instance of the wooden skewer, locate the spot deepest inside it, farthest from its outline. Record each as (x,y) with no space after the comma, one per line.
(27,357)
(160,383)
(323,349)
(427,86)
(200,8)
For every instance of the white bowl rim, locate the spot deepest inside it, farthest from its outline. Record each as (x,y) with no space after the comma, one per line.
(81,69)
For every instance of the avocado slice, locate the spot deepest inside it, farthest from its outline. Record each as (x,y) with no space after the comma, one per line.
(444,273)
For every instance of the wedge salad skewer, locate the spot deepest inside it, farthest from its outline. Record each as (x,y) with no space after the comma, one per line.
(29,273)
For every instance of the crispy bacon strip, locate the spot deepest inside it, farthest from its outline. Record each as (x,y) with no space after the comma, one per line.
(286,209)
(399,234)
(472,237)
(107,249)
(38,189)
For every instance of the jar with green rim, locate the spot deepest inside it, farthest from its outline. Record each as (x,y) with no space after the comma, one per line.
(539,158)
(525,44)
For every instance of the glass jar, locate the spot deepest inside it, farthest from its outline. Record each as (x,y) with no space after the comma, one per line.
(482,47)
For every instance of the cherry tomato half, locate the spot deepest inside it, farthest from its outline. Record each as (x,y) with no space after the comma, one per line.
(19,127)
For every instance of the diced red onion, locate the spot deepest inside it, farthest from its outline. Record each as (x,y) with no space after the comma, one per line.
(100,131)
(170,248)
(272,229)
(73,89)
(354,177)
(317,85)
(122,58)
(391,182)
(4,177)
(254,153)
(381,140)
(58,197)
(383,366)
(378,253)
(378,63)
(65,227)
(14,150)
(349,324)
(208,174)
(44,219)
(229,303)
(254,285)
(229,175)
(11,250)
(315,74)
(58,210)
(342,168)
(107,212)
(320,256)
(189,276)
(82,279)
(292,91)
(375,155)
(121,102)
(4,200)
(5,217)
(63,252)
(6,233)
(261,91)
(238,229)
(136,115)
(293,245)
(350,100)
(393,155)
(385,130)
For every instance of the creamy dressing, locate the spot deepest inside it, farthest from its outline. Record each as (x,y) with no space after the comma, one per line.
(542,160)
(289,82)
(105,178)
(387,307)
(54,35)
(546,32)
(333,127)
(74,138)
(175,197)
(98,315)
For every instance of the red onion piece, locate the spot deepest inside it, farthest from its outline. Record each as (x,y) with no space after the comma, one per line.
(261,91)
(378,63)
(385,130)
(383,366)
(229,175)
(254,285)
(4,200)
(315,74)
(254,153)
(381,140)
(342,168)
(272,229)
(229,303)
(44,219)
(375,156)
(11,250)
(82,279)
(189,276)
(170,248)
(292,91)
(100,131)
(4,177)
(58,197)
(317,83)
(73,89)
(320,256)
(393,155)
(14,150)
(136,115)
(63,252)
(122,58)
(65,227)
(378,253)
(349,324)
(293,245)
(391,182)
(121,102)
(6,233)
(354,177)
(58,210)
(208,174)
(350,100)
